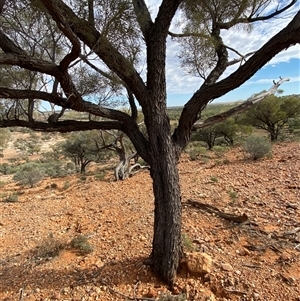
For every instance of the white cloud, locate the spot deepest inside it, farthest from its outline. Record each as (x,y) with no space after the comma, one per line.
(180,83)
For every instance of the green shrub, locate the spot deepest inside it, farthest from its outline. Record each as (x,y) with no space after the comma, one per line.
(66,185)
(194,151)
(257,147)
(5,168)
(214,179)
(187,242)
(81,244)
(233,196)
(29,174)
(12,198)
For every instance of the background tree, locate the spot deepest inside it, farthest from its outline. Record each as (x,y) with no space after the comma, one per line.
(28,146)
(272,114)
(113,34)
(4,138)
(83,148)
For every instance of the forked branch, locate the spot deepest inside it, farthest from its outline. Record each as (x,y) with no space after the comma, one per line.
(240,108)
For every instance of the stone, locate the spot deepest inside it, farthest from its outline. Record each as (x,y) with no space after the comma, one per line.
(227,267)
(151,293)
(198,263)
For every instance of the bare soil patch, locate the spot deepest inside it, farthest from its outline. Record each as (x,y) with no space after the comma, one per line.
(256,260)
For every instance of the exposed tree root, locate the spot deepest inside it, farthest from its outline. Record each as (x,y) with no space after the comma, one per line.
(211,209)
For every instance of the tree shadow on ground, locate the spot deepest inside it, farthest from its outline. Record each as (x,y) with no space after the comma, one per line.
(22,271)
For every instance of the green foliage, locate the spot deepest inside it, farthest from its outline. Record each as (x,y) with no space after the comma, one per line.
(272,114)
(28,146)
(100,175)
(4,137)
(12,198)
(257,147)
(84,147)
(187,242)
(5,168)
(81,244)
(233,196)
(294,125)
(224,132)
(194,150)
(29,174)
(66,185)
(214,179)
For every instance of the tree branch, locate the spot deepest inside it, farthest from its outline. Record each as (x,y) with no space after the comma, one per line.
(115,61)
(222,61)
(2,2)
(189,34)
(143,16)
(284,39)
(7,45)
(277,12)
(29,63)
(240,108)
(65,28)
(64,126)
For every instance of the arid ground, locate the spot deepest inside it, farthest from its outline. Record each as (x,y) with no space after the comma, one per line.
(255,260)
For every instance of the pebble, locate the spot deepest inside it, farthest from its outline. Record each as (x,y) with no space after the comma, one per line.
(227,267)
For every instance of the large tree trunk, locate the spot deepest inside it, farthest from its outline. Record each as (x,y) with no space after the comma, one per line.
(167,246)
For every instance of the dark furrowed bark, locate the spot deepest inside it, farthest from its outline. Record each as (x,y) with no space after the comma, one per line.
(167,247)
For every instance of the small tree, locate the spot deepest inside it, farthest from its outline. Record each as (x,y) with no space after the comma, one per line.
(227,130)
(83,148)
(273,113)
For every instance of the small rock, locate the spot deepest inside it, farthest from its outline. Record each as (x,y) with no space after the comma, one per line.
(244,252)
(198,262)
(227,267)
(255,295)
(151,293)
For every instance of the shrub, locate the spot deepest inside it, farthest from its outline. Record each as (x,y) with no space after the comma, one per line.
(257,147)
(81,244)
(12,198)
(194,150)
(66,185)
(29,174)
(187,242)
(49,247)
(5,168)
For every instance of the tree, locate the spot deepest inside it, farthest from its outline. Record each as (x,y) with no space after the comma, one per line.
(115,34)
(272,114)
(227,130)
(83,148)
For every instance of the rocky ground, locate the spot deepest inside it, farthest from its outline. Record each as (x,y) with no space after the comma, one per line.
(255,260)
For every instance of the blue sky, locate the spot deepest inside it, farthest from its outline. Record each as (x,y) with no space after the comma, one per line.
(262,80)
(180,87)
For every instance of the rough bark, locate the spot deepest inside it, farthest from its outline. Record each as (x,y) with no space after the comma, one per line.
(166,247)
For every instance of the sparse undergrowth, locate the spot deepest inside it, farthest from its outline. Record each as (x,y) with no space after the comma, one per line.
(257,147)
(81,244)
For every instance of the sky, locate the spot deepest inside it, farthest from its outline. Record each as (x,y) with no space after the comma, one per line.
(180,86)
